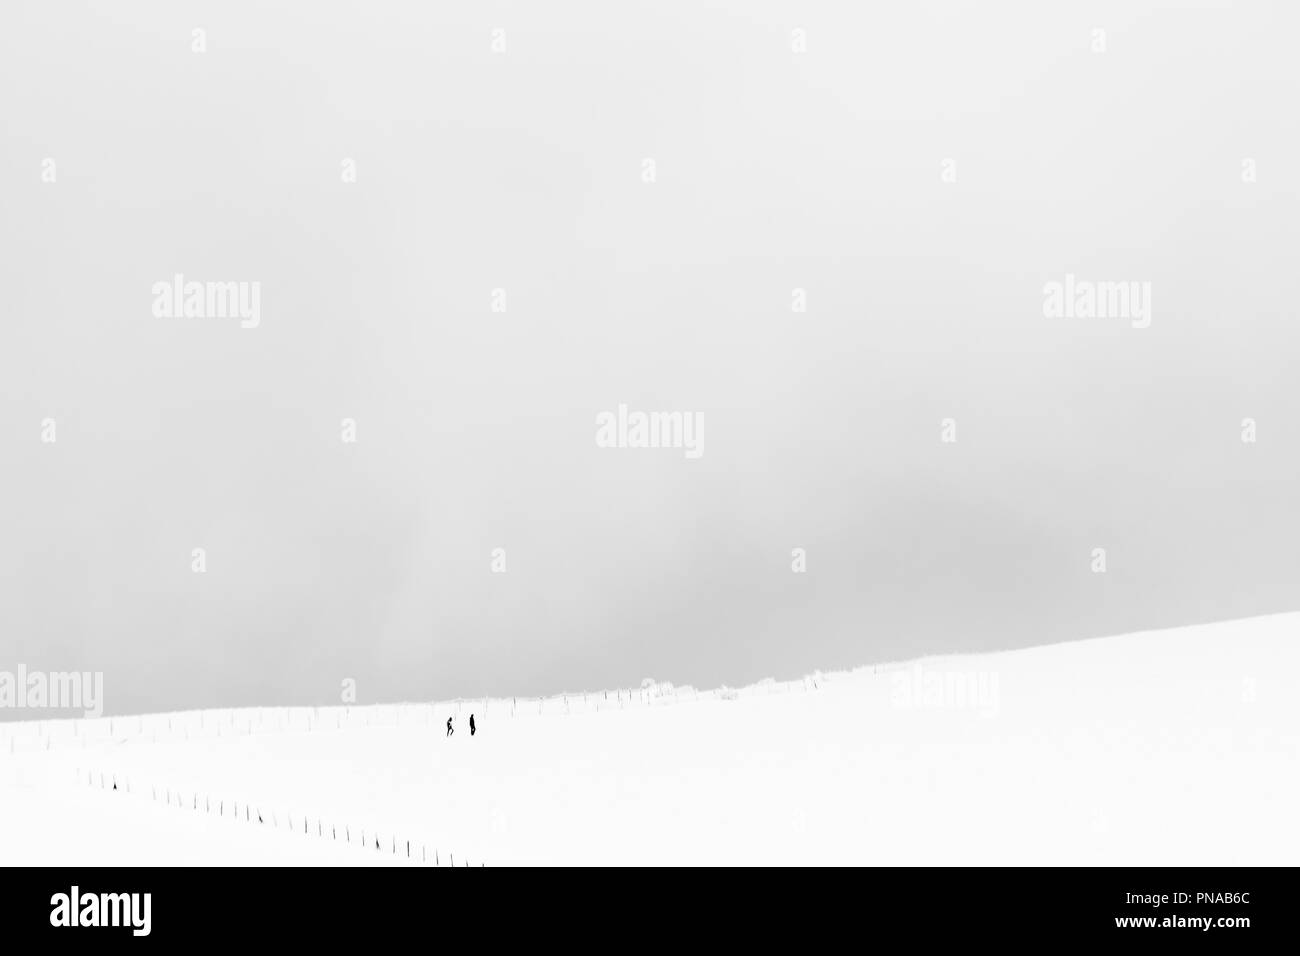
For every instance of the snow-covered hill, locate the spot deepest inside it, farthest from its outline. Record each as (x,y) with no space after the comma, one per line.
(1169,747)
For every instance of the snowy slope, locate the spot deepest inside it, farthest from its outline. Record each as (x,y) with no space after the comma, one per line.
(1168,747)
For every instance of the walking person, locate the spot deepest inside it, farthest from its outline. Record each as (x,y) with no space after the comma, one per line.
(471,725)
(450,731)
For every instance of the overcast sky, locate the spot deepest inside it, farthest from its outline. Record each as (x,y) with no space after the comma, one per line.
(920,171)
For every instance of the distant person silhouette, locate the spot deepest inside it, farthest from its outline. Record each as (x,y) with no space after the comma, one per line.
(471,725)
(449,730)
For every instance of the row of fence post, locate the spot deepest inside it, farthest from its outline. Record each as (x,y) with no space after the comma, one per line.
(109,781)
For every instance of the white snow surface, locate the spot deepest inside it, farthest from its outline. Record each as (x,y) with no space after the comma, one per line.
(1173,747)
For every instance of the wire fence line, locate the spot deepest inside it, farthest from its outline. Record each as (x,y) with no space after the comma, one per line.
(350,833)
